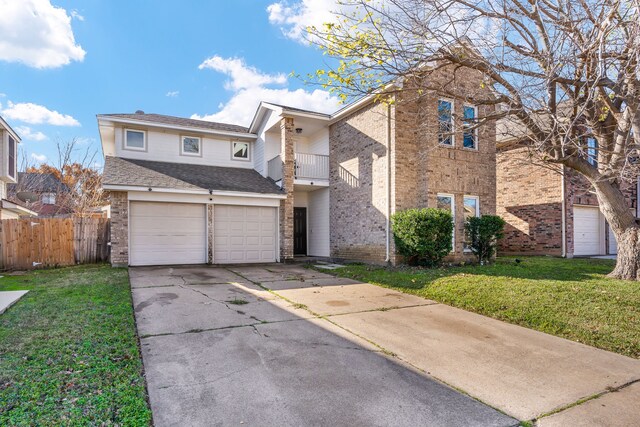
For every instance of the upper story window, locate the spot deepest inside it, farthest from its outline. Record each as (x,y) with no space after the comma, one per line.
(240,150)
(12,157)
(592,151)
(190,146)
(470,132)
(135,139)
(445,122)
(49,199)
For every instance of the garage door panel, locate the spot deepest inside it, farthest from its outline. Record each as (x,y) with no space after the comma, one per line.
(244,234)
(587,231)
(167,233)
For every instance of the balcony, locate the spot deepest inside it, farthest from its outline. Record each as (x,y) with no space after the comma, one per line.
(307,167)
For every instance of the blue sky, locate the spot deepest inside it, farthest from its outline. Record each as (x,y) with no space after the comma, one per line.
(62,62)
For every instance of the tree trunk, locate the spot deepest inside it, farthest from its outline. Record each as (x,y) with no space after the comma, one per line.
(624,225)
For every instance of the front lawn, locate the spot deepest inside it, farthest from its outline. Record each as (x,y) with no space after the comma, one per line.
(68,350)
(570,298)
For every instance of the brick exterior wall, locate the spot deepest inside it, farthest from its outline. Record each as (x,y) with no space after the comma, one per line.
(119,228)
(286,205)
(420,168)
(529,198)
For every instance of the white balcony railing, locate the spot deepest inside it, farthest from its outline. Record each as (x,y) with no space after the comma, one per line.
(311,166)
(306,166)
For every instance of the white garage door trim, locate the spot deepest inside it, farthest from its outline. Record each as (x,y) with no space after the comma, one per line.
(162,233)
(588,231)
(244,234)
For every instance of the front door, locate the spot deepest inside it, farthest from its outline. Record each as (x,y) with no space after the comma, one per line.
(299,231)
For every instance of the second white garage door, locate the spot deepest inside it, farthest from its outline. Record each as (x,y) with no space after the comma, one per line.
(244,234)
(587,231)
(167,233)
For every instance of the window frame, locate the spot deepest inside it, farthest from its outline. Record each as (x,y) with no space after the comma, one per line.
(453,214)
(126,139)
(12,164)
(184,153)
(477,199)
(51,197)
(592,159)
(241,159)
(475,130)
(453,122)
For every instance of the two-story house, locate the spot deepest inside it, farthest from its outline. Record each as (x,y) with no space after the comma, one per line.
(294,182)
(9,141)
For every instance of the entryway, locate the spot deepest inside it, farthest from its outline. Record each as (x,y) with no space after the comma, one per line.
(300,231)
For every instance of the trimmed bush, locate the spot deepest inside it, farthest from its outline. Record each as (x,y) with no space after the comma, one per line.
(423,236)
(482,235)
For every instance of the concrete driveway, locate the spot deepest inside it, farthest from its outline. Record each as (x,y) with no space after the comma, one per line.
(280,344)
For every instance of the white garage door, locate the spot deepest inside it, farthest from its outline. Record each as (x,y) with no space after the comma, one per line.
(167,233)
(613,243)
(587,231)
(244,234)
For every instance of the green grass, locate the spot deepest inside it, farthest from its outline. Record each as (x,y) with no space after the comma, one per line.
(68,350)
(570,298)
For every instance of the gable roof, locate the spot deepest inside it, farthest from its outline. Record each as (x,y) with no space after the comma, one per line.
(39,183)
(178,121)
(182,176)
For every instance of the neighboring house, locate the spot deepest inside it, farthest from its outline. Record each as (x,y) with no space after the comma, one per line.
(295,182)
(42,193)
(551,211)
(9,141)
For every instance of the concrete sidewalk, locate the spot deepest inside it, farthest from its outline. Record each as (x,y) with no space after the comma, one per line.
(283,344)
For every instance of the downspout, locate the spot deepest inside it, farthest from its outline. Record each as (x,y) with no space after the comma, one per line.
(564,214)
(388,215)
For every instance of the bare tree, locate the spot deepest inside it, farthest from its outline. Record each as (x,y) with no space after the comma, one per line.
(561,72)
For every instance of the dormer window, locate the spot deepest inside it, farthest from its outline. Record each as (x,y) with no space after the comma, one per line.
(240,150)
(135,140)
(190,146)
(12,157)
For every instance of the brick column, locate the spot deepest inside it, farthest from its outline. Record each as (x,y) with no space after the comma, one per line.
(286,205)
(119,228)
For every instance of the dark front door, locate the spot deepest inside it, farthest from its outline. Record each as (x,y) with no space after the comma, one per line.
(299,231)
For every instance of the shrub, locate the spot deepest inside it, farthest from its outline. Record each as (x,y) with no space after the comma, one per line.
(482,235)
(423,236)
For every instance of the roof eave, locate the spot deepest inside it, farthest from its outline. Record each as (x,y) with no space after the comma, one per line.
(125,187)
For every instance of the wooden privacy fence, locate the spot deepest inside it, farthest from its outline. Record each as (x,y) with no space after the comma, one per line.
(49,242)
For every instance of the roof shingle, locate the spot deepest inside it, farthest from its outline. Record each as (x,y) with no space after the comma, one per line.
(147,173)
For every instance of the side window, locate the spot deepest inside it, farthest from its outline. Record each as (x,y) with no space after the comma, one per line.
(447,203)
(190,146)
(445,122)
(240,150)
(471,209)
(135,139)
(592,151)
(469,134)
(12,157)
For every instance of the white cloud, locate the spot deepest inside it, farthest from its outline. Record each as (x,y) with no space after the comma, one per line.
(76,15)
(293,18)
(173,93)
(37,34)
(250,86)
(38,158)
(241,75)
(35,114)
(28,134)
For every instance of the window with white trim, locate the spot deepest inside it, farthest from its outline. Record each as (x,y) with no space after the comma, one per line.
(469,131)
(135,139)
(447,202)
(49,199)
(445,122)
(471,209)
(240,150)
(190,146)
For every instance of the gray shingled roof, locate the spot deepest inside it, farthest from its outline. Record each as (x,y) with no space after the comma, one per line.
(38,182)
(146,173)
(180,121)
